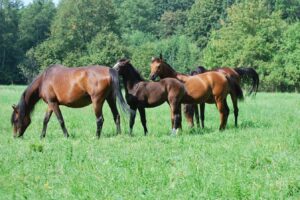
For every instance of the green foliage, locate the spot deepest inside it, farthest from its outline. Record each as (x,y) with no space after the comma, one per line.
(250,38)
(10,51)
(257,160)
(172,22)
(34,23)
(137,15)
(205,16)
(178,51)
(285,69)
(257,33)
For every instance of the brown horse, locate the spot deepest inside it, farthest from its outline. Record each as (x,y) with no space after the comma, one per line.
(141,94)
(72,87)
(210,87)
(237,74)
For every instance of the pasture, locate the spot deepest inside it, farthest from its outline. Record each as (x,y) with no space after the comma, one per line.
(258,160)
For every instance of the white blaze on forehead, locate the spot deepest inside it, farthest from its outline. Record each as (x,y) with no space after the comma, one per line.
(116,65)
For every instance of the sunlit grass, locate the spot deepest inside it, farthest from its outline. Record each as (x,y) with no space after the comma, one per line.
(258,160)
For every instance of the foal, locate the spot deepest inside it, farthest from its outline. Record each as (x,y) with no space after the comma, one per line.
(141,94)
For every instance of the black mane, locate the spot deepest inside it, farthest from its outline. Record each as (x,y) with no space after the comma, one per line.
(26,108)
(133,72)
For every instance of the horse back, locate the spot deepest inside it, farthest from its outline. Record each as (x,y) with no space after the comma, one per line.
(75,86)
(204,87)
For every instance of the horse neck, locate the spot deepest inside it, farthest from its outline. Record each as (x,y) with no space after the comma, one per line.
(171,73)
(32,95)
(129,83)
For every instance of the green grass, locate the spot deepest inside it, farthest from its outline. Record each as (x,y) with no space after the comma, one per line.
(258,160)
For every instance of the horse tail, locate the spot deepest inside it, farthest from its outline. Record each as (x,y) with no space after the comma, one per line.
(116,89)
(235,88)
(248,72)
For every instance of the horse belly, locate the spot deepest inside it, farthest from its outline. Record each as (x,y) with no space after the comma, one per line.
(78,103)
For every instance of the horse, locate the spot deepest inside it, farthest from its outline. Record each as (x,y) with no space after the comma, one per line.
(235,73)
(238,73)
(71,87)
(210,87)
(141,94)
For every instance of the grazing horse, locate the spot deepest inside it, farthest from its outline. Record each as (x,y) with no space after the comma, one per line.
(210,87)
(237,74)
(72,87)
(141,94)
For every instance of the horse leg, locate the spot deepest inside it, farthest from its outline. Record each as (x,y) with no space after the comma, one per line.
(132,119)
(196,114)
(113,107)
(175,115)
(98,104)
(235,109)
(189,116)
(60,118)
(46,120)
(143,119)
(224,112)
(202,111)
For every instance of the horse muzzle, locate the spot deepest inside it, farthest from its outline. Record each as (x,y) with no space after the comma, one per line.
(153,77)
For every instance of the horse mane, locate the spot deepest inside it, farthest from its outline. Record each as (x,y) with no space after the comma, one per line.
(167,64)
(27,107)
(136,74)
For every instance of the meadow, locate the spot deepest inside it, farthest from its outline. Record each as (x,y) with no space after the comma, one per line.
(258,160)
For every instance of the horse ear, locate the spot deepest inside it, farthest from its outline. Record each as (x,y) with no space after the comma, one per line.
(127,61)
(14,108)
(160,56)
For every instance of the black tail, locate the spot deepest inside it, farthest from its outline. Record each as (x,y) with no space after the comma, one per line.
(248,72)
(235,88)
(117,90)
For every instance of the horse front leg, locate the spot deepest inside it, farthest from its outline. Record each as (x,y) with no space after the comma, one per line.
(60,118)
(46,120)
(143,119)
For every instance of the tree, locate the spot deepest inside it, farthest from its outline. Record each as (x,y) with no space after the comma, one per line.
(137,15)
(34,25)
(172,22)
(74,27)
(205,16)
(10,52)
(251,37)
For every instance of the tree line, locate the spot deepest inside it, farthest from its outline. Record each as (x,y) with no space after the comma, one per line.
(263,34)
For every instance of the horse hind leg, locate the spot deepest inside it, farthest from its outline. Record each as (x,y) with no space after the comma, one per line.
(202,113)
(98,105)
(113,107)
(143,119)
(175,115)
(189,114)
(235,109)
(224,112)
(46,120)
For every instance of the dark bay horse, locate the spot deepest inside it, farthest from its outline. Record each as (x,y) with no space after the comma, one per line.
(72,87)
(210,87)
(141,94)
(237,74)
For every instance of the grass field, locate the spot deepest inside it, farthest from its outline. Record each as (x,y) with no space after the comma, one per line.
(258,160)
